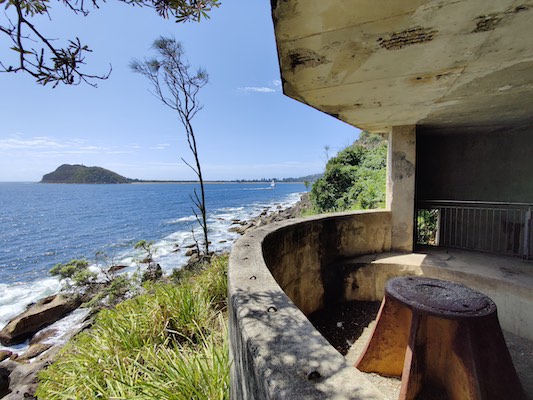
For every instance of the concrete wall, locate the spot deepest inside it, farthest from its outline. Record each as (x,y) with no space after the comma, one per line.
(484,166)
(276,352)
(301,257)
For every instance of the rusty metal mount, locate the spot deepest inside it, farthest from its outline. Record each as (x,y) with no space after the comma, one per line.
(440,337)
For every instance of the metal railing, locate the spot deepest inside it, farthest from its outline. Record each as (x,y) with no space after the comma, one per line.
(494,227)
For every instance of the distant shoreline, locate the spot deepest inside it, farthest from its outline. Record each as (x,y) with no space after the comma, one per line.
(81,174)
(216,182)
(165,182)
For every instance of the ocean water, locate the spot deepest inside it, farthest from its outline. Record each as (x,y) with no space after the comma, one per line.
(45,224)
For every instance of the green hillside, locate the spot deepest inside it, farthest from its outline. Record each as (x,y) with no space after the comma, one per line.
(67,173)
(355,178)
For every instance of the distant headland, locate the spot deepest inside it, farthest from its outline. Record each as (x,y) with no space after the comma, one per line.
(67,173)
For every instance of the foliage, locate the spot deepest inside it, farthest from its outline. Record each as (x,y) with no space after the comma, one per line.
(97,285)
(214,279)
(147,247)
(49,62)
(77,272)
(118,289)
(426,222)
(354,178)
(177,87)
(327,148)
(170,343)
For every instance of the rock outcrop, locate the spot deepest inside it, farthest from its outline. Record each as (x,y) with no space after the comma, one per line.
(152,273)
(265,217)
(37,316)
(18,377)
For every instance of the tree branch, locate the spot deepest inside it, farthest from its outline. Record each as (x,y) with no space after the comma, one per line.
(48,63)
(180,94)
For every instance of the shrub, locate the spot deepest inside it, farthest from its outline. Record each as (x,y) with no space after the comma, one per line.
(146,246)
(426,222)
(75,271)
(169,343)
(354,179)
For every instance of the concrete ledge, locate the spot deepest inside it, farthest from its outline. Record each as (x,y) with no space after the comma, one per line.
(507,281)
(276,352)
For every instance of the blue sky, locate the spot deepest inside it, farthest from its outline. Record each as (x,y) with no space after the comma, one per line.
(248,129)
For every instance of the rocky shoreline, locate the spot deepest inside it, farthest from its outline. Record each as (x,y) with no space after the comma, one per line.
(267,218)
(18,372)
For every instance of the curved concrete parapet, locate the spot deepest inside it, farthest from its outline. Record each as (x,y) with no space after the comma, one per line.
(281,272)
(276,352)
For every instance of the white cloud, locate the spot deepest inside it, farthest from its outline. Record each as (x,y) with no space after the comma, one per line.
(261,89)
(271,87)
(49,147)
(92,148)
(160,146)
(38,142)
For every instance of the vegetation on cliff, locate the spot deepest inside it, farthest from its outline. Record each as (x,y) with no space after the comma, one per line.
(169,343)
(354,179)
(67,173)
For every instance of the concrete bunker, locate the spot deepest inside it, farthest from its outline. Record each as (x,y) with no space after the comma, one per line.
(448,83)
(276,279)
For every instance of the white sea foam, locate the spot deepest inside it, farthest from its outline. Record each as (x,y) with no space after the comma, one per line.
(15,297)
(65,327)
(189,218)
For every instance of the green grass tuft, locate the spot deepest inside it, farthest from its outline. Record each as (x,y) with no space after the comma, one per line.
(170,343)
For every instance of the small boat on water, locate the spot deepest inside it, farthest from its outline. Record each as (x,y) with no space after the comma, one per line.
(272,185)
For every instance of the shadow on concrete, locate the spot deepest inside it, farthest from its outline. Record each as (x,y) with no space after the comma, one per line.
(278,354)
(343,324)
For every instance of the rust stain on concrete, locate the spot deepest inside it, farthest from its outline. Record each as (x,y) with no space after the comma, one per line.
(407,37)
(489,22)
(305,58)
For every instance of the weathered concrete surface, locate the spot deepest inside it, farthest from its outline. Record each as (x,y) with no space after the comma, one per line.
(507,281)
(276,352)
(401,165)
(300,256)
(466,164)
(424,62)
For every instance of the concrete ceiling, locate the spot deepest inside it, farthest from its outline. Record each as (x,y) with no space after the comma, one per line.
(382,63)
